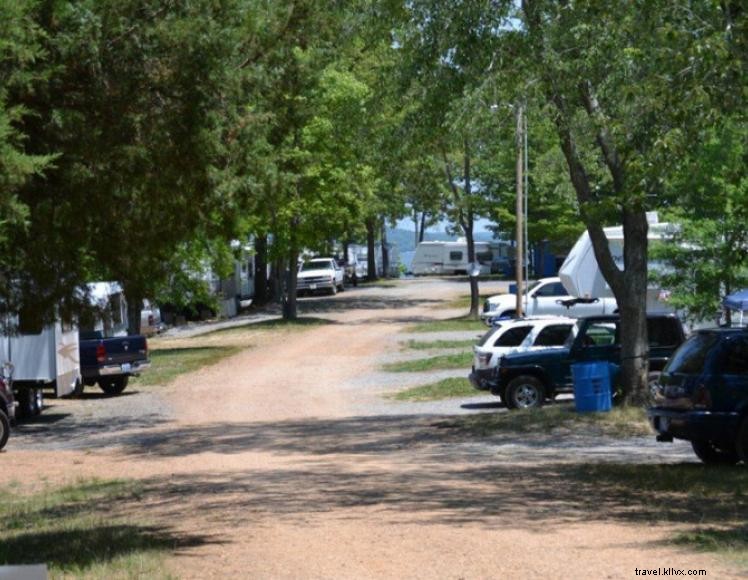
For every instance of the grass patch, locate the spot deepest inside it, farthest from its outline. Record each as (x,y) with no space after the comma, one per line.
(563,419)
(451,324)
(275,324)
(437,344)
(444,389)
(730,543)
(168,363)
(433,363)
(73,530)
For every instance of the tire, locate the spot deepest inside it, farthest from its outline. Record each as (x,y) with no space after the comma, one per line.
(37,396)
(341,288)
(333,290)
(114,385)
(525,392)
(4,428)
(741,444)
(712,455)
(78,390)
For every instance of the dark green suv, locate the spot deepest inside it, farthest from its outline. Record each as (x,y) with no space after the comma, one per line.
(527,379)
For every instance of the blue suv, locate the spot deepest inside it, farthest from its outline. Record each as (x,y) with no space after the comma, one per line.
(703,396)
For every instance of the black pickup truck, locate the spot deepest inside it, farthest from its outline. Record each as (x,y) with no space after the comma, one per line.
(111,361)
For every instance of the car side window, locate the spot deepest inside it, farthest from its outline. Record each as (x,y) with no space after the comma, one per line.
(600,334)
(513,336)
(736,358)
(554,335)
(551,290)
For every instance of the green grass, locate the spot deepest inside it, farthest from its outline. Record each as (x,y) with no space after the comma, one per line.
(730,543)
(437,344)
(447,325)
(73,531)
(563,419)
(168,363)
(275,324)
(444,389)
(433,363)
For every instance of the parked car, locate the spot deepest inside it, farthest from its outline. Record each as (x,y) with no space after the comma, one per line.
(518,335)
(703,396)
(7,411)
(546,297)
(150,319)
(320,274)
(527,379)
(111,361)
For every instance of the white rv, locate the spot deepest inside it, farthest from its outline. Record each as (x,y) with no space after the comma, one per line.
(47,359)
(449,258)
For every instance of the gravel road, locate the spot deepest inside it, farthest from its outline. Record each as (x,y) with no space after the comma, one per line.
(286,460)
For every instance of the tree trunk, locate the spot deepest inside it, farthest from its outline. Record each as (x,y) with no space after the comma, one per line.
(134,306)
(261,270)
(371,258)
(422,232)
(415,223)
(385,252)
(290,311)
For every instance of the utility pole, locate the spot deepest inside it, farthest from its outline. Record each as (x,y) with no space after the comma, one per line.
(520,259)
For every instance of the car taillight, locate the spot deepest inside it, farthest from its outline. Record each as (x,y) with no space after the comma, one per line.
(701,398)
(100,352)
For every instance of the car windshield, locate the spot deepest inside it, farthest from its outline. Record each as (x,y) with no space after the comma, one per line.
(532,286)
(690,357)
(316,265)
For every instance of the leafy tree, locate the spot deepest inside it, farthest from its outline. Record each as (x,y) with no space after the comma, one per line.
(707,257)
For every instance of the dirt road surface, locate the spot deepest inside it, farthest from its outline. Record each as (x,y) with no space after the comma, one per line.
(285,461)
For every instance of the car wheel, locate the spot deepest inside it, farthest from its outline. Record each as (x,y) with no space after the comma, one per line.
(78,389)
(113,386)
(741,445)
(334,290)
(710,454)
(525,392)
(4,428)
(342,287)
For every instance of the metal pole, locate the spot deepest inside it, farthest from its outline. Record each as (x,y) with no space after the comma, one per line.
(519,212)
(527,204)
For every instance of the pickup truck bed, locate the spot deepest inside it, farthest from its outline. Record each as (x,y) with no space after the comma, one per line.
(111,361)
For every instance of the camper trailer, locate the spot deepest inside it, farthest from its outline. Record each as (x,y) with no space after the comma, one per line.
(47,359)
(450,257)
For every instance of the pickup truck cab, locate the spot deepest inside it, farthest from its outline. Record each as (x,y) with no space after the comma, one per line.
(320,274)
(526,379)
(546,297)
(110,362)
(703,396)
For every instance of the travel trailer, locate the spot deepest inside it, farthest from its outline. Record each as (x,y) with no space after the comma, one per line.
(442,257)
(43,358)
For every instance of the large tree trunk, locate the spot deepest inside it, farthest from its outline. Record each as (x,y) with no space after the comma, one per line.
(134,306)
(261,270)
(422,231)
(385,252)
(371,258)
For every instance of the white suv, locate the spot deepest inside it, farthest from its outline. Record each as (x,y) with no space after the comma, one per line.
(520,334)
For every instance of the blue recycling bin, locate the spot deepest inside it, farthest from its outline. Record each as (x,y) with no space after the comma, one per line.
(592,386)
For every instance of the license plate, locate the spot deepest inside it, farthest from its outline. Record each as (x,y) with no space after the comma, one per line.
(126,367)
(312,286)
